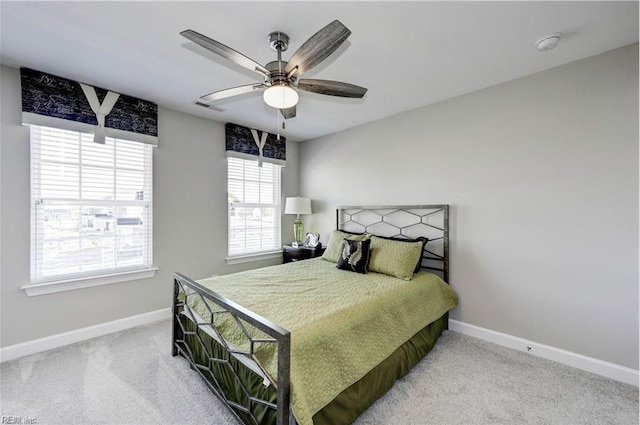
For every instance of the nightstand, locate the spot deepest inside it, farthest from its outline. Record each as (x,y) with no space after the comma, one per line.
(290,253)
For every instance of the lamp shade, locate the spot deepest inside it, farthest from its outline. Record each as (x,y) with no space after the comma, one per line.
(280,96)
(297,205)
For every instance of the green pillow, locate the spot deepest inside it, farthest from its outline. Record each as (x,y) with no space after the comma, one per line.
(394,258)
(334,247)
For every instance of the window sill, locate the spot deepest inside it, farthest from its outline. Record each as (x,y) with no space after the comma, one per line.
(254,257)
(35,289)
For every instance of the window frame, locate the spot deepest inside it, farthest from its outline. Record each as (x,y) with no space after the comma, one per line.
(275,250)
(40,283)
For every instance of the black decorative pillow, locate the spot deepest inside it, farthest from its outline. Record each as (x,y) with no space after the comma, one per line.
(354,256)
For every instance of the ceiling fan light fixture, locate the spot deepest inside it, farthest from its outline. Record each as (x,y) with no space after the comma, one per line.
(280,96)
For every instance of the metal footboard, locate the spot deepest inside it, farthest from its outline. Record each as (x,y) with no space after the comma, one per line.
(217,305)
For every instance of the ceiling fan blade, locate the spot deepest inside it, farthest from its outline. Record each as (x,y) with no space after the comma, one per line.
(288,112)
(224,51)
(317,48)
(234,91)
(332,88)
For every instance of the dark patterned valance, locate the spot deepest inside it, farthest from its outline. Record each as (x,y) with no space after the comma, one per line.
(58,102)
(247,143)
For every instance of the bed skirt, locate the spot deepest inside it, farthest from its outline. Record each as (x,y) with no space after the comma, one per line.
(343,409)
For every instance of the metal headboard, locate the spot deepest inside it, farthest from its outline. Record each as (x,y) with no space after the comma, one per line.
(406,222)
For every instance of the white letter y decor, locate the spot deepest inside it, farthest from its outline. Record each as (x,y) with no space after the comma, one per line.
(101,110)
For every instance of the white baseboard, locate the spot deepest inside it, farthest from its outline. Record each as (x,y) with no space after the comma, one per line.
(589,364)
(54,341)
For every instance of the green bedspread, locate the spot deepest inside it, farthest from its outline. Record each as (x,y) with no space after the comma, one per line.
(342,324)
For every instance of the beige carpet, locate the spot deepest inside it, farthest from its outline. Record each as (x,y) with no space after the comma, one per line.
(130,378)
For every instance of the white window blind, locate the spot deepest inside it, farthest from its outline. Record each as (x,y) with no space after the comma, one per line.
(91,211)
(254,207)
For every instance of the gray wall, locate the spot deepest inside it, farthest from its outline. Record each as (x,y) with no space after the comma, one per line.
(190,224)
(542,176)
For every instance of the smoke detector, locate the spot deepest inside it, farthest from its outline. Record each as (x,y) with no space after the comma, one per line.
(548,42)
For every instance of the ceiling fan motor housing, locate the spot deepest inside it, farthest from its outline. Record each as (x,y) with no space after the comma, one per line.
(279,42)
(277,72)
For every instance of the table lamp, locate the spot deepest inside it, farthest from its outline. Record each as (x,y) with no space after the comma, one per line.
(297,206)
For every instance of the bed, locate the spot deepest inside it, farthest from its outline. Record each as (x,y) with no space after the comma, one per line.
(309,342)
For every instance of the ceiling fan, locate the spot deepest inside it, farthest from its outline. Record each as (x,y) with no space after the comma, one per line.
(280,78)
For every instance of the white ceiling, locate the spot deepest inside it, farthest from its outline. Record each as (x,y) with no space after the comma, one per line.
(408,54)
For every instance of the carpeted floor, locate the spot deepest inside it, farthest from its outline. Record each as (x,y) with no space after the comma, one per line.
(130,378)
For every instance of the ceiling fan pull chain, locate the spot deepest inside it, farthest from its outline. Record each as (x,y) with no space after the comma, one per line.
(279,50)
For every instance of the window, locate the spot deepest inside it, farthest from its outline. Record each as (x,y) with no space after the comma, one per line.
(254,207)
(91,212)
